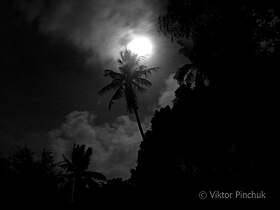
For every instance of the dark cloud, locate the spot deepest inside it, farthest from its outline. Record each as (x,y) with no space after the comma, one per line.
(104,27)
(115,145)
(14,139)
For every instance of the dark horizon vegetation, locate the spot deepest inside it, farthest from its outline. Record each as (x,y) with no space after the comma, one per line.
(218,135)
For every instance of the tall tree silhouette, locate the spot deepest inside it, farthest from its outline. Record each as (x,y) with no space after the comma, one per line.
(130,78)
(76,170)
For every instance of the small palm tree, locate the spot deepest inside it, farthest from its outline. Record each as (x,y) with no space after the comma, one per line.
(130,78)
(76,169)
(191,76)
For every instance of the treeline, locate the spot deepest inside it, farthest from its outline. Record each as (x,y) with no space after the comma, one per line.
(44,182)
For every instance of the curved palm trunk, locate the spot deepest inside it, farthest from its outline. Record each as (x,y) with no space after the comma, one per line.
(138,121)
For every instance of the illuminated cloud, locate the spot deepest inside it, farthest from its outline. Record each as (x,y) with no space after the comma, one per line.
(168,92)
(114,145)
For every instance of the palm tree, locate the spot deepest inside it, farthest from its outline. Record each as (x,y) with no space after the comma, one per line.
(76,169)
(130,78)
(191,76)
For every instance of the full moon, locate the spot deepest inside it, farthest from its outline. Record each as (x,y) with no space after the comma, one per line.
(140,46)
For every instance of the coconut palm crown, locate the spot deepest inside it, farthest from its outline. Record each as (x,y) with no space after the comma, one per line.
(132,77)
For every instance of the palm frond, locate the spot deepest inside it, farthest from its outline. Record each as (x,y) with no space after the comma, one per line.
(77,154)
(66,164)
(88,153)
(127,57)
(80,157)
(112,74)
(139,88)
(112,86)
(118,95)
(183,73)
(141,59)
(68,175)
(122,54)
(142,71)
(143,82)
(87,156)
(120,61)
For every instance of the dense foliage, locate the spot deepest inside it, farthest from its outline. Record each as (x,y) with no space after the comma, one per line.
(217,135)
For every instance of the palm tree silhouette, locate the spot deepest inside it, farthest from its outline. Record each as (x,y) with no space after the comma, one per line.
(191,76)
(131,78)
(76,169)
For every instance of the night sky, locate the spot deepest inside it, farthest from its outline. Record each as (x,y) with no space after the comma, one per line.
(52,58)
